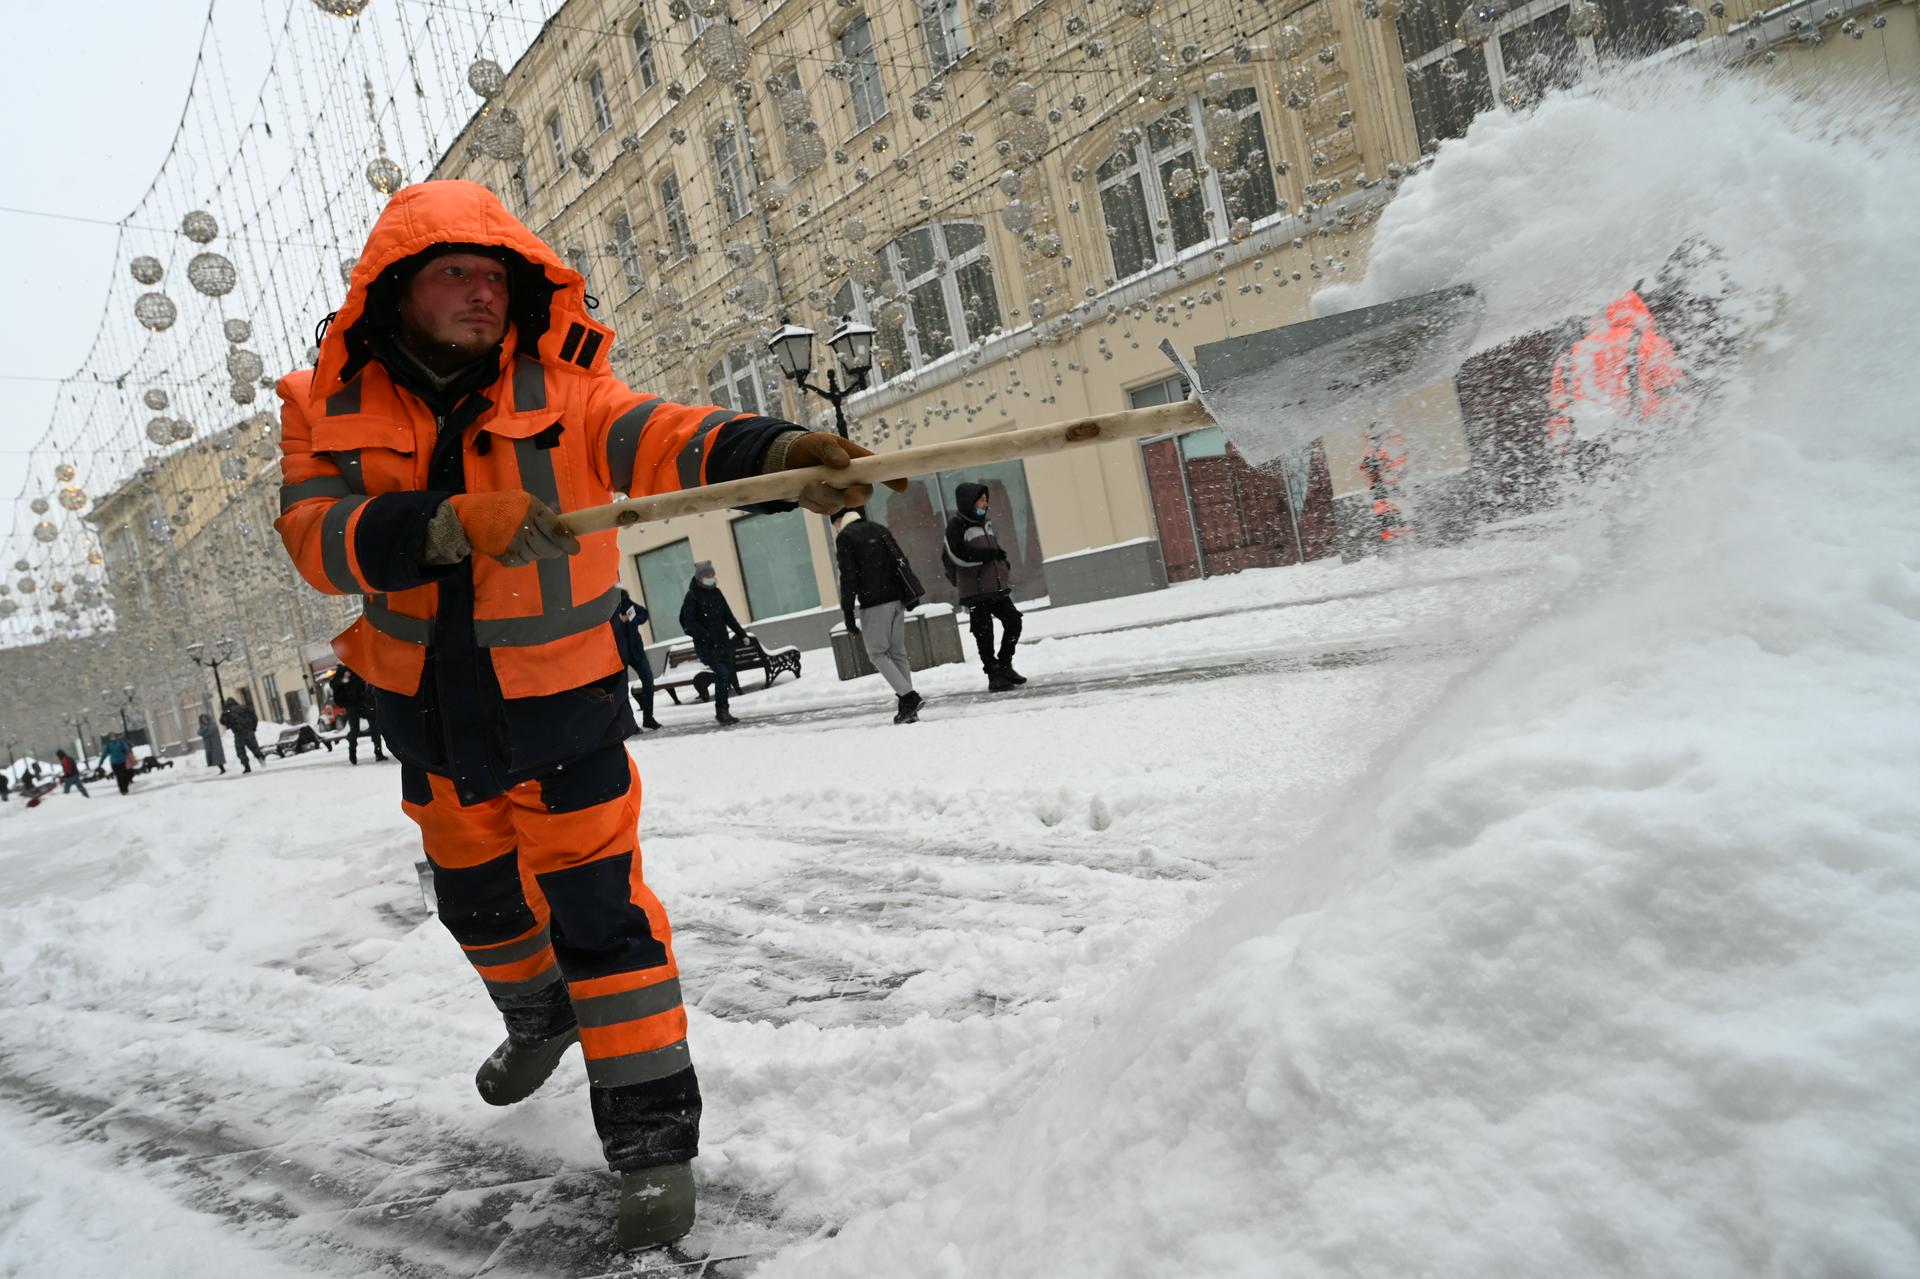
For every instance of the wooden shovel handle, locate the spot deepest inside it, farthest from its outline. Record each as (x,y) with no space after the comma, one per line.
(898,464)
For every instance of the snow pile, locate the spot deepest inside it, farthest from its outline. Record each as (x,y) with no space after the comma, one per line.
(1607,969)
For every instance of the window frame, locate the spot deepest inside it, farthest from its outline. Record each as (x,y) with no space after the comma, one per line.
(523,183)
(810,578)
(557,140)
(1586,48)
(673,212)
(1142,169)
(602,106)
(866,73)
(627,249)
(641,37)
(737,366)
(732,174)
(893,258)
(951,35)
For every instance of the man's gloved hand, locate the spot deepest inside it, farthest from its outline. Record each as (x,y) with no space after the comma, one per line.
(822,448)
(510,525)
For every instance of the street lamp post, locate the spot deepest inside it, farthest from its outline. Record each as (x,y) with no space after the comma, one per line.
(852,345)
(221,652)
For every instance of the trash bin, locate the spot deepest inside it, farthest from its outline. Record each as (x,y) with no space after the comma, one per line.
(850,659)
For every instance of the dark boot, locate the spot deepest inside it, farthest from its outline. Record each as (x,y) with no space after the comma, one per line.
(725,719)
(656,1205)
(1009,674)
(649,723)
(517,1069)
(909,709)
(997,681)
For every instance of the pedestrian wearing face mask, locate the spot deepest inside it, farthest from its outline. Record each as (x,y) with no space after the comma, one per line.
(708,621)
(977,567)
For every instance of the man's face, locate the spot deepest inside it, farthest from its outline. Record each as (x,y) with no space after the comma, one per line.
(456,302)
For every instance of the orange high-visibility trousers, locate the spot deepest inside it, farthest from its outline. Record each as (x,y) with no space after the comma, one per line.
(542,888)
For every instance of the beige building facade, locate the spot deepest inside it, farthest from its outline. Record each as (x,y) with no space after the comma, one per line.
(1024,199)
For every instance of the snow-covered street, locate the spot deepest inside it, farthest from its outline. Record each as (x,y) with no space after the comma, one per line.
(891,936)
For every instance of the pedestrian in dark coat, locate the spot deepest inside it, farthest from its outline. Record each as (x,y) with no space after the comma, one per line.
(708,621)
(977,566)
(119,753)
(876,578)
(356,701)
(6,785)
(70,775)
(243,724)
(210,741)
(628,618)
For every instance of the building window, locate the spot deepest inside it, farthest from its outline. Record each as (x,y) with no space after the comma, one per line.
(1155,178)
(1168,390)
(863,80)
(557,137)
(643,52)
(272,684)
(731,174)
(736,382)
(578,260)
(944,279)
(623,249)
(777,563)
(679,237)
(597,94)
(665,574)
(522,186)
(945,32)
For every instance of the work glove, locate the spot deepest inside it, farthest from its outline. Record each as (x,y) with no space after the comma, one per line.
(510,525)
(822,448)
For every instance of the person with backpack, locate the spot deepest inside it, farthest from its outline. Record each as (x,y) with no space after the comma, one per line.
(240,720)
(977,567)
(876,578)
(70,775)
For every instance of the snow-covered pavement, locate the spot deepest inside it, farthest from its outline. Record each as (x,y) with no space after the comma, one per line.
(225,992)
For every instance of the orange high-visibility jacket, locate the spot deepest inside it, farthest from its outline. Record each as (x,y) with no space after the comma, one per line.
(555,422)
(1623,362)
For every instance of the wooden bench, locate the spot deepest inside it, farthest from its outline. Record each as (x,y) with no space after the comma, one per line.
(748,654)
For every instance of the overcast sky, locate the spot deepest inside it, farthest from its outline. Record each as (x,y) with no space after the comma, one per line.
(90,97)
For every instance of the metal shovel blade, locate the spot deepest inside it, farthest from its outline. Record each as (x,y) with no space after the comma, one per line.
(1277,391)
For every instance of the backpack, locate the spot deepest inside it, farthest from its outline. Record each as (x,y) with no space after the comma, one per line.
(911,592)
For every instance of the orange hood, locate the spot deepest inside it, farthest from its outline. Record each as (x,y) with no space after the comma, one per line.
(454,211)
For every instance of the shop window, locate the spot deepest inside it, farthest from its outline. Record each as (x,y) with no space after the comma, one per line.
(776,561)
(665,574)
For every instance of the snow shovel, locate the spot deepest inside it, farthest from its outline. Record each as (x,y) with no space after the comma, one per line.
(899,464)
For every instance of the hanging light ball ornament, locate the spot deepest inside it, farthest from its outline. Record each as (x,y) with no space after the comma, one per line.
(384,175)
(211,274)
(26,585)
(723,52)
(1181,183)
(1685,21)
(1585,18)
(39,506)
(155,311)
(46,531)
(346,273)
(65,472)
(1024,98)
(21,566)
(242,392)
(342,8)
(199,227)
(237,331)
(73,498)
(501,135)
(160,430)
(486,78)
(754,293)
(805,150)
(793,106)
(147,270)
(244,365)
(1018,215)
(233,469)
(182,429)
(1475,26)
(8,608)
(853,228)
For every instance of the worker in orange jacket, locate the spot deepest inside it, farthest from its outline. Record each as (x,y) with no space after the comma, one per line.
(1623,366)
(461,400)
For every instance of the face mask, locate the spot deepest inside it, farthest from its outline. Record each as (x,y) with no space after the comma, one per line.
(980,511)
(706,581)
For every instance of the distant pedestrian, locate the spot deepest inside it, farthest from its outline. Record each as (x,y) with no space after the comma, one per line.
(240,720)
(70,774)
(355,698)
(119,753)
(210,740)
(6,786)
(628,618)
(977,567)
(707,619)
(876,578)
